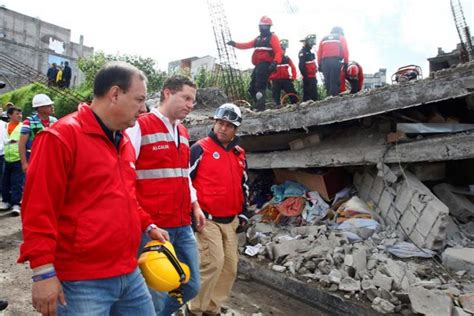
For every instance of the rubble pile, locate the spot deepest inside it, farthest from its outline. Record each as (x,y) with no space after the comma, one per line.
(347,248)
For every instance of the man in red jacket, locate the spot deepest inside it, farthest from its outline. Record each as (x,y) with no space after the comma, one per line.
(164,188)
(266,56)
(283,77)
(354,75)
(308,68)
(81,220)
(332,53)
(219,174)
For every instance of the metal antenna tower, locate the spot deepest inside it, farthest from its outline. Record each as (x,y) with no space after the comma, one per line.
(467,53)
(229,68)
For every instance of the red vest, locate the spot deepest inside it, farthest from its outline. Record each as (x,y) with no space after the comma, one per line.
(283,70)
(218,179)
(263,50)
(162,173)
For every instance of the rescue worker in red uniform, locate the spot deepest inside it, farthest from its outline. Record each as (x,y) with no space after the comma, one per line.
(219,174)
(266,56)
(354,75)
(333,52)
(283,77)
(81,220)
(308,68)
(164,188)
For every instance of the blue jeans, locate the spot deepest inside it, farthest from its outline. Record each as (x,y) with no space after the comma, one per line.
(185,245)
(123,295)
(12,186)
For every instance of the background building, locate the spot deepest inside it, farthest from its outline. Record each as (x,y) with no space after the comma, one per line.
(376,80)
(37,44)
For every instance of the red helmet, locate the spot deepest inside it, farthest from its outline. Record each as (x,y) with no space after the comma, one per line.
(265,20)
(352,71)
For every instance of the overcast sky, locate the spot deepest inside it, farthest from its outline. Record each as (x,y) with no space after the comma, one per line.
(380,33)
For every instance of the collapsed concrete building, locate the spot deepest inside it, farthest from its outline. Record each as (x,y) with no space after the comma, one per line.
(36,44)
(407,149)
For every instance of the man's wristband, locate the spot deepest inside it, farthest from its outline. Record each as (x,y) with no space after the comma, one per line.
(44,276)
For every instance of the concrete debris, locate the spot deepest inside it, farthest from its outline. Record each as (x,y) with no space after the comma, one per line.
(459,259)
(459,205)
(401,274)
(335,276)
(348,284)
(467,302)
(278,268)
(383,306)
(458,311)
(430,302)
(382,281)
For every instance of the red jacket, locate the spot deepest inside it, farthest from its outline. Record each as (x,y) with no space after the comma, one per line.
(267,49)
(333,45)
(282,71)
(359,81)
(162,172)
(307,63)
(79,208)
(219,177)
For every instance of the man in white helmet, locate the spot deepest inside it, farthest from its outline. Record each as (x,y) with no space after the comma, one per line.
(34,124)
(219,175)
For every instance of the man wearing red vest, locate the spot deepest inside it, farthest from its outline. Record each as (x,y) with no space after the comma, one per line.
(164,188)
(308,69)
(266,56)
(283,77)
(354,75)
(219,174)
(332,53)
(81,220)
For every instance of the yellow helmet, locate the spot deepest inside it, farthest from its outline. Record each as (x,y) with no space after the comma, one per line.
(161,268)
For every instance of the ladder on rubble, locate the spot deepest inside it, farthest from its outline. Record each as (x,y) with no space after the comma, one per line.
(31,75)
(467,51)
(228,67)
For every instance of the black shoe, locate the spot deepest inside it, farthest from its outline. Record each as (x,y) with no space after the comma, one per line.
(3,305)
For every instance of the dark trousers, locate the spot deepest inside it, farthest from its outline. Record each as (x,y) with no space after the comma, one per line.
(354,85)
(310,89)
(12,187)
(331,68)
(285,85)
(258,84)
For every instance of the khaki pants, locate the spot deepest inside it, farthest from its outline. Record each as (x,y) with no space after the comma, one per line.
(218,254)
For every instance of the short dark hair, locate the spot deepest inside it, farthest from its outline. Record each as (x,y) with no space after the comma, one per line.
(66,63)
(175,83)
(13,109)
(116,73)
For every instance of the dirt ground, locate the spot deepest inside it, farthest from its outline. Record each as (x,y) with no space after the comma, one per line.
(247,298)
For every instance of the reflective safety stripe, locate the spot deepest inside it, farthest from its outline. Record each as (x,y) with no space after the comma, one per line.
(310,62)
(264,48)
(158,137)
(283,65)
(331,41)
(184,140)
(162,173)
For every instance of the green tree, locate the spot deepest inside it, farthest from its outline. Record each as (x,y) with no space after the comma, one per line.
(91,65)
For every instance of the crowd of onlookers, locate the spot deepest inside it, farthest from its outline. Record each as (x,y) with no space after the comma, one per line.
(59,75)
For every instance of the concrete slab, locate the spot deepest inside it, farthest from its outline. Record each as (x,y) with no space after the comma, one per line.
(459,259)
(430,302)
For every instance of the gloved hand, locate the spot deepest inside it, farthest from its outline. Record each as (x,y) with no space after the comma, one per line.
(345,68)
(231,43)
(272,67)
(242,224)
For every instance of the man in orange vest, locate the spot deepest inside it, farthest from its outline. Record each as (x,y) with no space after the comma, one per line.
(283,77)
(332,53)
(164,188)
(266,56)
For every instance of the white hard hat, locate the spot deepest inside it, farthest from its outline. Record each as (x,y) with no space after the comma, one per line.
(41,100)
(229,112)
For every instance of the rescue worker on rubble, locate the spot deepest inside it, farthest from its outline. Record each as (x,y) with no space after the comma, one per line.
(81,220)
(266,56)
(223,198)
(354,75)
(164,188)
(333,52)
(283,77)
(308,68)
